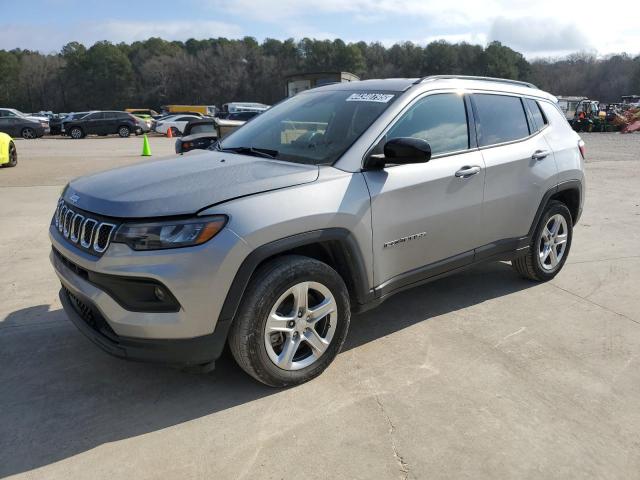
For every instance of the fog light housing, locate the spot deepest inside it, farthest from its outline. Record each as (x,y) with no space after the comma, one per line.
(159,293)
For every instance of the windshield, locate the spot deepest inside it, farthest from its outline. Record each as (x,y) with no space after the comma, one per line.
(314,128)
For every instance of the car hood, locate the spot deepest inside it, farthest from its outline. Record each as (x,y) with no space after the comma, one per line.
(182,185)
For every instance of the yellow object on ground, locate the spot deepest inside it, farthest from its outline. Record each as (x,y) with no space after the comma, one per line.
(6,144)
(146,149)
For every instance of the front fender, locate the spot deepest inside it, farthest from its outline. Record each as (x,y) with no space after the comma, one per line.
(5,141)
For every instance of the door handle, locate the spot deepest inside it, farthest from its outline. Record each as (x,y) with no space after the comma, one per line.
(540,154)
(467,171)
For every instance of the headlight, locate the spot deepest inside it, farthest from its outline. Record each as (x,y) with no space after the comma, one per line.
(170,234)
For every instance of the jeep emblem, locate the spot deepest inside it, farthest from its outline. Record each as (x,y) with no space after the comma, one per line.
(74,198)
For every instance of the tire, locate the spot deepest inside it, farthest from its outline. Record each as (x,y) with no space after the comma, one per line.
(124,131)
(13,156)
(76,133)
(270,303)
(549,246)
(28,133)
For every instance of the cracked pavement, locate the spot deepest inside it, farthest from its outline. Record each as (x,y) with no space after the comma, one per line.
(479,375)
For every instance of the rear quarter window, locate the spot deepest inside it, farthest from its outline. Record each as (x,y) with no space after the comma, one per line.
(539,119)
(500,119)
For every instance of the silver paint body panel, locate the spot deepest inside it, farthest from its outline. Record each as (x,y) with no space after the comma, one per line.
(376,207)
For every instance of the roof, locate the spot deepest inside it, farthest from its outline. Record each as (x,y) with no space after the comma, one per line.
(441,81)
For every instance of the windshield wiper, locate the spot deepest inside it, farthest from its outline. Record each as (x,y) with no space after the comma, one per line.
(257,152)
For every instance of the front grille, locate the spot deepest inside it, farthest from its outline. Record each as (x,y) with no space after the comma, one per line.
(86,231)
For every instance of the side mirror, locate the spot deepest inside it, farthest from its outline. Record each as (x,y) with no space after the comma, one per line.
(401,151)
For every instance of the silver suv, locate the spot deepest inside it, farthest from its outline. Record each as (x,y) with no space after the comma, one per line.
(326,204)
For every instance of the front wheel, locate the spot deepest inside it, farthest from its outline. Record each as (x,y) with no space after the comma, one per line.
(76,133)
(124,132)
(549,246)
(13,156)
(292,322)
(28,133)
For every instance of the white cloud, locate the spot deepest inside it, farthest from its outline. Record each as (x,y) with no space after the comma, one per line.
(560,26)
(536,28)
(48,39)
(531,34)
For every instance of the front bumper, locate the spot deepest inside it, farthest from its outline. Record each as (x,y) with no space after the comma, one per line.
(198,277)
(192,351)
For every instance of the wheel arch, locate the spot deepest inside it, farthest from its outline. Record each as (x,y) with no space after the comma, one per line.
(334,246)
(569,193)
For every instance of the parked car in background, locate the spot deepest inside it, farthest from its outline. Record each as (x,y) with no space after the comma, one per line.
(199,134)
(175,122)
(21,127)
(238,107)
(142,112)
(242,116)
(71,117)
(8,151)
(55,123)
(13,113)
(104,123)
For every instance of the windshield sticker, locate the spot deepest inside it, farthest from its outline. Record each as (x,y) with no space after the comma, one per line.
(370,97)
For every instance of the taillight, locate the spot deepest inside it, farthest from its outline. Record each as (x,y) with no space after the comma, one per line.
(581,148)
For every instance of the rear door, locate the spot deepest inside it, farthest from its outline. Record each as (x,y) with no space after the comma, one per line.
(426,216)
(93,123)
(520,167)
(7,126)
(109,124)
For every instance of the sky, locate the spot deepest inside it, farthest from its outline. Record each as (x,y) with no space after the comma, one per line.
(536,28)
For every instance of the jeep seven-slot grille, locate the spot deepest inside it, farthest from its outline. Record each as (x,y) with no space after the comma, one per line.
(86,231)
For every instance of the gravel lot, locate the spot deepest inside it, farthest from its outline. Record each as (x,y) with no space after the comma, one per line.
(479,375)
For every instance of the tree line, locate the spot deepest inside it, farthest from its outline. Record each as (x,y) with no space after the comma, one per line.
(155,72)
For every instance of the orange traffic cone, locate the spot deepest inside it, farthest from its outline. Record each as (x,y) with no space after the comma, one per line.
(170,132)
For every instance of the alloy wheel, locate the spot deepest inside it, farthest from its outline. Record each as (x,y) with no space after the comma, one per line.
(300,326)
(553,242)
(28,133)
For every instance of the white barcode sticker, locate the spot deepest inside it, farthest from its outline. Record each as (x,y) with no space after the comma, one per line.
(370,97)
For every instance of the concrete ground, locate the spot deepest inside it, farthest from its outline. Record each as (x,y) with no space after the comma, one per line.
(479,375)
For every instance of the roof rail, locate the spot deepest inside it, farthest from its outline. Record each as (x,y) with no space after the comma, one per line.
(470,77)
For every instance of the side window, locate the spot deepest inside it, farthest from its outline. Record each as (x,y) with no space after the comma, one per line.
(440,119)
(499,119)
(94,116)
(539,120)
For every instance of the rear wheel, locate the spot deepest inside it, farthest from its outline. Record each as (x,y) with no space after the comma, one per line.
(549,246)
(13,156)
(292,322)
(28,133)
(76,133)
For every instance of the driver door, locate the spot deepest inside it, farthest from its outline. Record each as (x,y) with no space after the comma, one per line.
(426,216)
